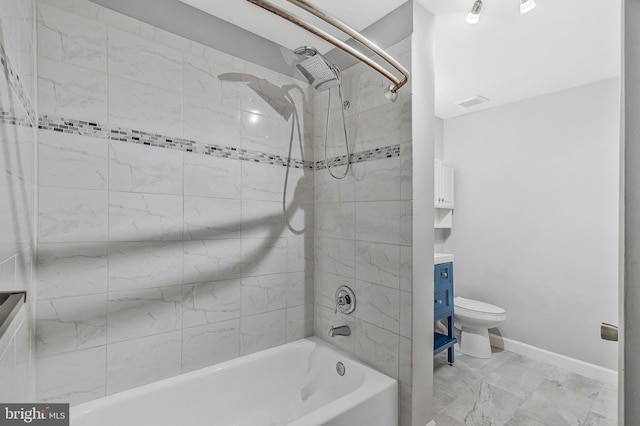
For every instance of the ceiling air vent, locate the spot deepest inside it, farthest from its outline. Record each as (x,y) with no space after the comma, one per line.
(472,101)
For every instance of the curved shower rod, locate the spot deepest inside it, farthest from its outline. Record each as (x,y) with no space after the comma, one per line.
(397,82)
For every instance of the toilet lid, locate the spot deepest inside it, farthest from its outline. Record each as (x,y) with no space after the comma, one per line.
(476,306)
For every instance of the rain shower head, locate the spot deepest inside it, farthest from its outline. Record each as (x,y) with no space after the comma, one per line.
(321,74)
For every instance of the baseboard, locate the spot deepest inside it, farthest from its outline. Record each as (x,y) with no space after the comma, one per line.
(574,365)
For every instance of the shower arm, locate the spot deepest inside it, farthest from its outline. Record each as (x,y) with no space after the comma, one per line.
(397,83)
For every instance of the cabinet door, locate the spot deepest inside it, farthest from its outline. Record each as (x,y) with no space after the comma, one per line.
(446,186)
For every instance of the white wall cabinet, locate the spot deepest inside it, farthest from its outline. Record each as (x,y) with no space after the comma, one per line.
(443,191)
(443,195)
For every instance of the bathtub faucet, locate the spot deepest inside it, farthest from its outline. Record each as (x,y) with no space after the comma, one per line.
(341,330)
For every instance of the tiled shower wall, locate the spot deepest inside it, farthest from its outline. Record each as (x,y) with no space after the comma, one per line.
(363,226)
(17,135)
(163,246)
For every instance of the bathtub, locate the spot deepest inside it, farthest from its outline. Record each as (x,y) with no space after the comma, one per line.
(294,384)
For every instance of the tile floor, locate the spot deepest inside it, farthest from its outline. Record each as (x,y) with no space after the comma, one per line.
(514,390)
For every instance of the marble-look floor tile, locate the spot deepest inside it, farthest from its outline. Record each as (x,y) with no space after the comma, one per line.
(606,403)
(594,419)
(522,420)
(484,404)
(514,377)
(555,404)
(443,419)
(448,382)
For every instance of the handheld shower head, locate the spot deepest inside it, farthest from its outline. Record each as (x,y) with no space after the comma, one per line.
(321,74)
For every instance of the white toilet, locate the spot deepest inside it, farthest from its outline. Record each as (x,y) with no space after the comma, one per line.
(474,319)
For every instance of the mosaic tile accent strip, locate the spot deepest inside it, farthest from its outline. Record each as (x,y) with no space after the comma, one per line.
(10,118)
(358,157)
(14,81)
(98,130)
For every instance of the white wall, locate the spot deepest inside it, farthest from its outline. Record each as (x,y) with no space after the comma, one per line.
(422,125)
(536,218)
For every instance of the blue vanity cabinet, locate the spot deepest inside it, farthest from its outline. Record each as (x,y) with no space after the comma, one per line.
(443,308)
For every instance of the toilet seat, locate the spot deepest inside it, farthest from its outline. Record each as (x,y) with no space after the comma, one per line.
(475,306)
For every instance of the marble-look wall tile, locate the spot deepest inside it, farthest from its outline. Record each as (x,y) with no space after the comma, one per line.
(8,370)
(386,125)
(210,344)
(140,106)
(406,268)
(299,187)
(377,347)
(70,91)
(378,305)
(139,265)
(145,217)
(406,173)
(211,81)
(406,223)
(8,273)
(335,256)
(144,61)
(73,377)
(378,221)
(207,176)
(405,368)
(70,324)
(212,302)
(263,331)
(327,189)
(72,161)
(299,322)
(140,168)
(262,219)
(139,313)
(378,263)
(212,123)
(71,269)
(262,182)
(264,256)
(405,402)
(72,39)
(263,294)
(212,218)
(138,362)
(72,215)
(213,260)
(267,134)
(300,288)
(378,180)
(165,38)
(335,220)
(406,314)
(299,253)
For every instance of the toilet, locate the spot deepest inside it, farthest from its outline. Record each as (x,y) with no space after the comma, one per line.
(474,319)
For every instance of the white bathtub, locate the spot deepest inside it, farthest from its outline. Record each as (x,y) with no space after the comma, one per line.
(295,384)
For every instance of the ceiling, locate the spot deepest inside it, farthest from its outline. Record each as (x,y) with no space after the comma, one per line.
(358,14)
(508,57)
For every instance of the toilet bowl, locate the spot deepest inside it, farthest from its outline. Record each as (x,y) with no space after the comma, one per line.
(474,319)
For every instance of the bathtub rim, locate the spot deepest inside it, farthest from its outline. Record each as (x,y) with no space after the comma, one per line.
(375,382)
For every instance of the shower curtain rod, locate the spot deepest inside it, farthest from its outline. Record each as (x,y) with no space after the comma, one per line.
(397,83)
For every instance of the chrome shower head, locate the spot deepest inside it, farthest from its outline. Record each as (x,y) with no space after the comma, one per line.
(306,51)
(320,73)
